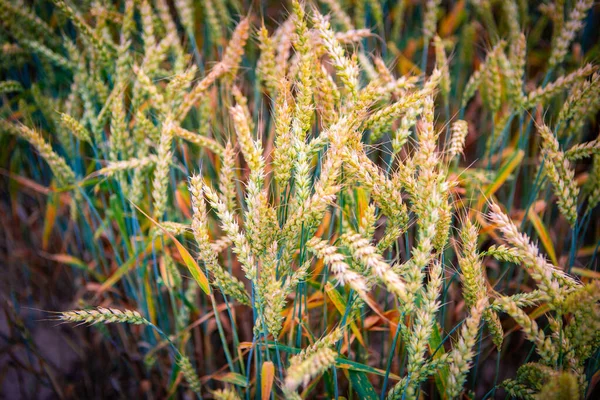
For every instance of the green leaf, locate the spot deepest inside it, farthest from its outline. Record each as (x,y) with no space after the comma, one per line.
(344,363)
(119,218)
(436,346)
(362,385)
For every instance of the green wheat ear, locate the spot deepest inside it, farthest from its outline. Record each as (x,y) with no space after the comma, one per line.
(189,373)
(102,315)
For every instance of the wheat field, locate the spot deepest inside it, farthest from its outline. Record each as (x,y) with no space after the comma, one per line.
(353,199)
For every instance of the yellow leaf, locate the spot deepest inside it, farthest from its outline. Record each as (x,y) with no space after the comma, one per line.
(150,299)
(588,251)
(129,264)
(189,261)
(449,23)
(49,219)
(232,377)
(340,305)
(586,273)
(542,232)
(72,261)
(266,379)
(245,346)
(503,173)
